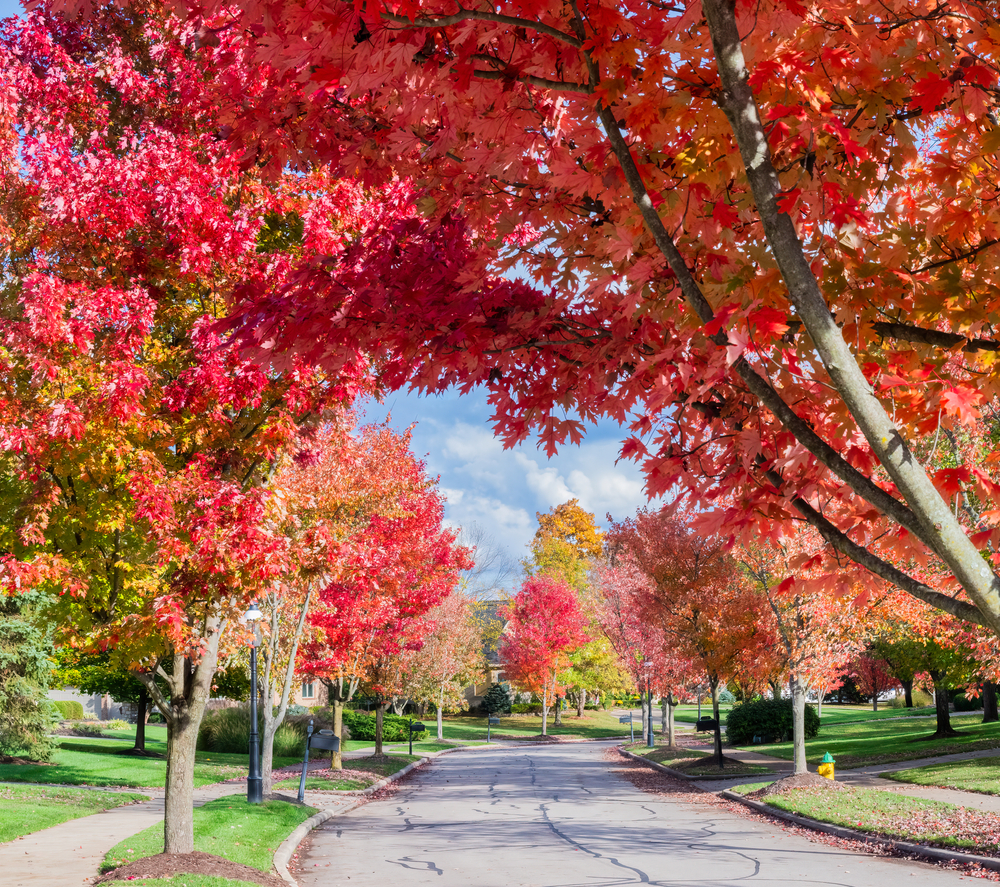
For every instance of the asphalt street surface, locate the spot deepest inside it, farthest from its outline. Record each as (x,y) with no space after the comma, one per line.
(560,816)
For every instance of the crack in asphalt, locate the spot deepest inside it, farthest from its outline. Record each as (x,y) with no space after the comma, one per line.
(426,866)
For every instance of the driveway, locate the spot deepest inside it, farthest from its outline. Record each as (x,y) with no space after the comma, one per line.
(559,816)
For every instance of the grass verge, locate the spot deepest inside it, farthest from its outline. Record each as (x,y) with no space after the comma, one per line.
(890,815)
(27,809)
(978,775)
(100,762)
(885,742)
(593,725)
(228,827)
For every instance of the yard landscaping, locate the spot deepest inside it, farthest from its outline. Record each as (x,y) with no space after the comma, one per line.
(186,880)
(26,809)
(247,834)
(887,815)
(887,741)
(978,775)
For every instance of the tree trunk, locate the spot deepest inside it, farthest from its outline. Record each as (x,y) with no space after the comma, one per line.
(819,703)
(379,715)
(440,718)
(557,722)
(907,692)
(140,721)
(337,757)
(775,689)
(990,702)
(714,683)
(944,728)
(671,736)
(178,823)
(799,725)
(267,756)
(581,702)
(545,708)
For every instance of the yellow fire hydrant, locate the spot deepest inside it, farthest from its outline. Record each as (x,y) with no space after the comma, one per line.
(826,766)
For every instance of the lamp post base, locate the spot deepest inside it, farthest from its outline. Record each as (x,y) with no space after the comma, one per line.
(255,790)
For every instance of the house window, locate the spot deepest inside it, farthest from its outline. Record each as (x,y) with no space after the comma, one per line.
(308,690)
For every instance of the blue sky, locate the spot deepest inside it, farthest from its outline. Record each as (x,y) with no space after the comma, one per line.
(501,490)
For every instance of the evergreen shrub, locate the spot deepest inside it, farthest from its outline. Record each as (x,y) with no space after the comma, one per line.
(497,700)
(68,709)
(394,728)
(769,720)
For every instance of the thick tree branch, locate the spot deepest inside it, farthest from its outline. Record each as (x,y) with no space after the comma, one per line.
(465,15)
(906,332)
(740,106)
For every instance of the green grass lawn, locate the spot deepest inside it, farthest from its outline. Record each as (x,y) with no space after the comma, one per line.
(99,762)
(593,725)
(979,775)
(838,714)
(891,815)
(883,741)
(327,780)
(26,809)
(182,881)
(227,827)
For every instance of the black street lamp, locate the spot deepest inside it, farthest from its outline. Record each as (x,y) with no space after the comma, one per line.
(255,782)
(648,665)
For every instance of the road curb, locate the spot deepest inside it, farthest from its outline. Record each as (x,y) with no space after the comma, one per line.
(939,854)
(678,774)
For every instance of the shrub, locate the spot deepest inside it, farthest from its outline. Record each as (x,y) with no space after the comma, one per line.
(83,728)
(394,728)
(228,730)
(117,724)
(964,703)
(496,700)
(68,709)
(769,720)
(526,708)
(726,697)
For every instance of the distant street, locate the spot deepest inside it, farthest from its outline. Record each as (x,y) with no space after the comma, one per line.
(558,816)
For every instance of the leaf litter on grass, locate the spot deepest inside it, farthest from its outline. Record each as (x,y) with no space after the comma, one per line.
(661,784)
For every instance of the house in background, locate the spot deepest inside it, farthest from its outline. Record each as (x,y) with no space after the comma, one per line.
(97,706)
(493,626)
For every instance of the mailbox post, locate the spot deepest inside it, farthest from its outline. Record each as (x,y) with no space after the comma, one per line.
(627,719)
(326,740)
(415,727)
(491,721)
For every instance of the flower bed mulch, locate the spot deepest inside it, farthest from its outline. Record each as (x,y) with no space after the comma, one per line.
(164,865)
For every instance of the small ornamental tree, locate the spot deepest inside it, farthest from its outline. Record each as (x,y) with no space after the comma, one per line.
(449,659)
(872,676)
(497,700)
(544,624)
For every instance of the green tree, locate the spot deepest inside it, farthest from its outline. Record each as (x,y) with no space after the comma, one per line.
(25,665)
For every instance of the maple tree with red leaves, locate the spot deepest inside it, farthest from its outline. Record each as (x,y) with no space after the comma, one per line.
(384,581)
(748,238)
(544,624)
(137,446)
(696,598)
(872,677)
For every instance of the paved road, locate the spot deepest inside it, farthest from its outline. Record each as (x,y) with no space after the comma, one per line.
(559,817)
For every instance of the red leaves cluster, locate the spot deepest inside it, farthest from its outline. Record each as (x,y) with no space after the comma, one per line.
(544,624)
